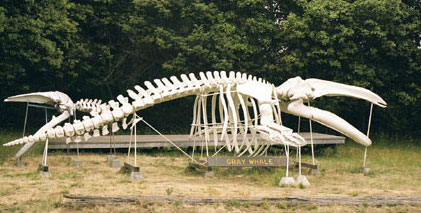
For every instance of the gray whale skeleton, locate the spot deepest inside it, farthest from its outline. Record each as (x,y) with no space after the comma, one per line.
(240,103)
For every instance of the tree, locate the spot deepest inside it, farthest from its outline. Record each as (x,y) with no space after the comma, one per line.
(373,44)
(39,47)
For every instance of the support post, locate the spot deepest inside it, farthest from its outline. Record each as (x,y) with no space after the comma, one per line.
(43,168)
(364,169)
(134,170)
(287,180)
(311,139)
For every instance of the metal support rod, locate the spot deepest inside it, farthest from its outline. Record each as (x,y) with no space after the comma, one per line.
(181,150)
(287,154)
(45,153)
(26,118)
(369,120)
(130,144)
(135,142)
(311,138)
(299,160)
(77,149)
(115,152)
(365,157)
(298,131)
(194,147)
(40,106)
(299,124)
(368,134)
(111,150)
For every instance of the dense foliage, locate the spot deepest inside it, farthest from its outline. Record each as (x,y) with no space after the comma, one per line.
(99,48)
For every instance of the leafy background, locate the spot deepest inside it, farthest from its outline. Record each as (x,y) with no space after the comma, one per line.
(100,48)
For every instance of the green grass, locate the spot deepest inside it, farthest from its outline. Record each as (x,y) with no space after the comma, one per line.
(28,175)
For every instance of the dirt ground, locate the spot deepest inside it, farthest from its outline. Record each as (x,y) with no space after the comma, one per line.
(23,189)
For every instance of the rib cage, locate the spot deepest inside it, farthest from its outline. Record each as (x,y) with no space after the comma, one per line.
(221,87)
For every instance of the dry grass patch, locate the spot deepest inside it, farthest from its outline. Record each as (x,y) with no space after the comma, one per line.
(395,171)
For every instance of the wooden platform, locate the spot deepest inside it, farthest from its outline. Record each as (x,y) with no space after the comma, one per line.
(148,141)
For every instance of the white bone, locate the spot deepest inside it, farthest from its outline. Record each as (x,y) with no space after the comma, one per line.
(59,131)
(163,90)
(96,133)
(210,78)
(113,104)
(288,135)
(117,113)
(292,94)
(226,117)
(105,130)
(139,104)
(172,88)
(234,117)
(87,136)
(115,127)
(126,108)
(199,117)
(206,84)
(193,125)
(51,133)
(133,95)
(79,129)
(155,94)
(245,114)
(107,117)
(238,77)
(56,98)
(150,96)
(87,123)
(215,131)
(43,136)
(224,77)
(69,131)
(326,118)
(256,122)
(180,87)
(189,87)
(36,137)
(232,77)
(78,139)
(97,121)
(196,83)
(56,120)
(124,123)
(205,122)
(142,92)
(244,77)
(217,76)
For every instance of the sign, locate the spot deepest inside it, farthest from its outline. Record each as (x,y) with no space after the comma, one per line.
(230,161)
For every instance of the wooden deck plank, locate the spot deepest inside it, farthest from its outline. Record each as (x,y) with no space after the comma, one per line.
(149,141)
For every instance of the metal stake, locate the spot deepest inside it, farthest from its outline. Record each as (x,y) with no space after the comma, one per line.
(26,118)
(368,133)
(311,138)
